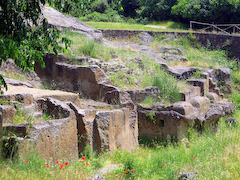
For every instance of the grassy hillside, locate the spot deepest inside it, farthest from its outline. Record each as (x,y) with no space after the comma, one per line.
(213,155)
(160,26)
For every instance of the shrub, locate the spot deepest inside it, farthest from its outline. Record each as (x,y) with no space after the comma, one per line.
(109,16)
(99,6)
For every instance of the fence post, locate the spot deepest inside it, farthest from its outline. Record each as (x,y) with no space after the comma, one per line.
(1,131)
(190,25)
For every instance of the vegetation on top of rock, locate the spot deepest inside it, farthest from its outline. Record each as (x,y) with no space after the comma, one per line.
(142,11)
(24,35)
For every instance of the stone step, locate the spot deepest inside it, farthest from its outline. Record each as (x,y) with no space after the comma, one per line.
(202,83)
(192,92)
(38,115)
(213,97)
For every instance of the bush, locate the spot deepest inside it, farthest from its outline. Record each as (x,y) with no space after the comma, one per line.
(155,76)
(109,16)
(99,6)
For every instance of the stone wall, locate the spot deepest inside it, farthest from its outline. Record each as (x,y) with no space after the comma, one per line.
(216,40)
(89,81)
(112,131)
(66,135)
(1,124)
(53,139)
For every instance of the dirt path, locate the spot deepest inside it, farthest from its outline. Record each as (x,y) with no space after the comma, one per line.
(43,93)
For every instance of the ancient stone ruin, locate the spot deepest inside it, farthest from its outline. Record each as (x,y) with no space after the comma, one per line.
(86,108)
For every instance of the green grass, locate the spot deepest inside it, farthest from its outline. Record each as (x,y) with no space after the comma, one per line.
(81,46)
(213,155)
(170,24)
(23,117)
(130,26)
(196,54)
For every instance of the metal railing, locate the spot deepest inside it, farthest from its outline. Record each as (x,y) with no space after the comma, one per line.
(218,28)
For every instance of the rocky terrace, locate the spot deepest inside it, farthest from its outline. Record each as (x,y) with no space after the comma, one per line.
(85,107)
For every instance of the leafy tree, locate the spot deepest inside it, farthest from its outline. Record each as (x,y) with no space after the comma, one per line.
(76,8)
(24,34)
(208,10)
(156,9)
(129,7)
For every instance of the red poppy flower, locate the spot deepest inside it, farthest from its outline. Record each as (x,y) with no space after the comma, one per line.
(80,161)
(212,130)
(194,158)
(57,162)
(118,176)
(126,172)
(26,161)
(163,164)
(83,158)
(66,163)
(133,170)
(61,166)
(47,166)
(212,157)
(110,174)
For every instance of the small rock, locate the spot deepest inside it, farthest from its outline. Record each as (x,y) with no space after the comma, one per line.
(97,177)
(158,106)
(146,38)
(170,57)
(187,176)
(231,120)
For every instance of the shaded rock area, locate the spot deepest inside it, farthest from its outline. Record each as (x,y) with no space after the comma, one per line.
(71,128)
(10,68)
(108,118)
(62,22)
(217,78)
(89,81)
(175,119)
(138,96)
(52,140)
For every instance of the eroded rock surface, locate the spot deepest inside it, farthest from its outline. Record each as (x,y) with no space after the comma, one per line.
(88,81)
(61,22)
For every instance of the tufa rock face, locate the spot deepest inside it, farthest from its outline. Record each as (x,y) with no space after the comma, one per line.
(8,112)
(138,96)
(61,22)
(89,81)
(112,130)
(175,119)
(146,38)
(52,140)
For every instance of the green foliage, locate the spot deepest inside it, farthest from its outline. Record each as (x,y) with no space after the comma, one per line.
(109,16)
(131,25)
(129,7)
(208,11)
(46,117)
(148,101)
(155,76)
(23,117)
(75,8)
(23,37)
(99,6)
(150,115)
(215,155)
(156,10)
(81,46)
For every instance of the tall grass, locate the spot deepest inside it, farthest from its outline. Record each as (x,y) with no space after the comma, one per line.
(212,155)
(155,76)
(196,54)
(81,46)
(135,26)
